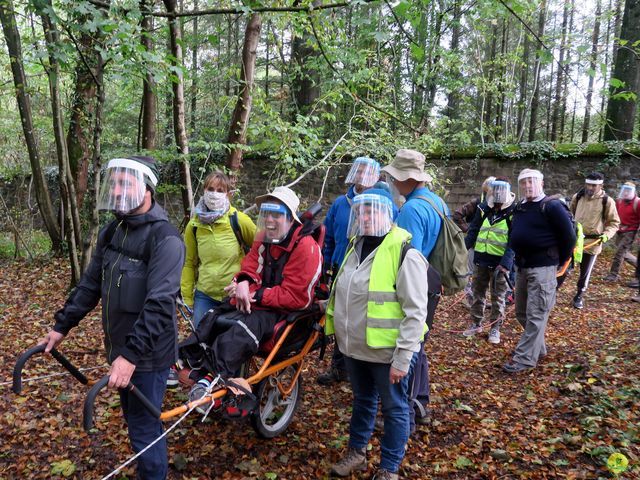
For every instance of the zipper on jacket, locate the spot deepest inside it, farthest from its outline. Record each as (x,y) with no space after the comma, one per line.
(106,310)
(348,296)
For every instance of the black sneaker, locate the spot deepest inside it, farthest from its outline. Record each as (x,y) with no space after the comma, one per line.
(332,376)
(577,302)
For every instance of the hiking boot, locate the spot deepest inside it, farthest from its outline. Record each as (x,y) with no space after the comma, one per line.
(494,336)
(474,329)
(354,459)
(612,278)
(173,380)
(383,474)
(577,302)
(633,284)
(331,376)
(515,367)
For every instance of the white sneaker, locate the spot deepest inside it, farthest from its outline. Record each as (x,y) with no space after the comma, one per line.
(494,336)
(472,330)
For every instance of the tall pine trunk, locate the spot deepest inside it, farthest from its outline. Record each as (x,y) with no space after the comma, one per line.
(535,99)
(592,73)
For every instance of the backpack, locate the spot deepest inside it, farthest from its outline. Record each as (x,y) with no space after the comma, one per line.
(434,287)
(235,226)
(577,227)
(450,255)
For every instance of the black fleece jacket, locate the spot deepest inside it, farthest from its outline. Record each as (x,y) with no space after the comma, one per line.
(138,297)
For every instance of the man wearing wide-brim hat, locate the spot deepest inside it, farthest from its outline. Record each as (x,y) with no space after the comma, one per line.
(407,178)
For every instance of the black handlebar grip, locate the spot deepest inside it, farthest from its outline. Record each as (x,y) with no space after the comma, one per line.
(17,370)
(87,411)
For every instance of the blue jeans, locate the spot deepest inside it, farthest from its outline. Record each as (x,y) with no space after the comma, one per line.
(370,381)
(143,427)
(202,303)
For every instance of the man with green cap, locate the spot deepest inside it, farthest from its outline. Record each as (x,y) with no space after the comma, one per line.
(135,271)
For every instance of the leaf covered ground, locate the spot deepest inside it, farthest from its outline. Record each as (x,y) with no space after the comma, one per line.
(562,420)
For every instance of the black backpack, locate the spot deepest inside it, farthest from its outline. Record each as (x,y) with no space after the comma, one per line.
(235,226)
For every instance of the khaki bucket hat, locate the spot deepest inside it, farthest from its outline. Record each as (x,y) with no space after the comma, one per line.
(286,196)
(408,164)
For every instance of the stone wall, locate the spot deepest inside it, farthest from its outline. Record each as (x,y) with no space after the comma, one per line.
(566,176)
(459,177)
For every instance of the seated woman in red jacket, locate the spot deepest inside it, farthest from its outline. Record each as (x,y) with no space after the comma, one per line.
(277,276)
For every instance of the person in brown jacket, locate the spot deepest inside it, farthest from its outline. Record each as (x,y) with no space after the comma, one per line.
(597,213)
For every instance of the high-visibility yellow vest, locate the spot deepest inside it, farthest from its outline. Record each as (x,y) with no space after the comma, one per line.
(384,313)
(492,239)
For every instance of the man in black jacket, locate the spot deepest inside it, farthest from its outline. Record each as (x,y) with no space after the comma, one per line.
(135,270)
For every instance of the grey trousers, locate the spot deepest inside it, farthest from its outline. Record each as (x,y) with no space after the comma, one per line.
(624,242)
(483,279)
(535,297)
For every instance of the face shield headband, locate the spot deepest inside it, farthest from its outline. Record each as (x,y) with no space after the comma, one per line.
(364,171)
(274,222)
(124,186)
(371,215)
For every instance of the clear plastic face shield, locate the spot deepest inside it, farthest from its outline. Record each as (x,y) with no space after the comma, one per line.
(274,222)
(530,187)
(371,215)
(364,173)
(591,187)
(627,192)
(398,198)
(499,192)
(124,186)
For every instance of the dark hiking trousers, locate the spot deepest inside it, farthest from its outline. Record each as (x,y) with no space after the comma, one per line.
(143,427)
(419,385)
(233,347)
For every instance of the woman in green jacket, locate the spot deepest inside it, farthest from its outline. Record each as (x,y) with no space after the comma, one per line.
(215,240)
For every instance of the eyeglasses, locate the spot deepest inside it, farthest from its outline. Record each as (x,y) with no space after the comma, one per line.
(270,214)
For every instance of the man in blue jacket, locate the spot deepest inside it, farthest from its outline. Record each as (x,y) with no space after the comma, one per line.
(542,237)
(364,173)
(135,270)
(408,180)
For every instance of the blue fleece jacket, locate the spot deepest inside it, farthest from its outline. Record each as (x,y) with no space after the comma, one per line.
(420,219)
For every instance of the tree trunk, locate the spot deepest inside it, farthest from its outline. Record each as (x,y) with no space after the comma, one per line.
(488,104)
(535,99)
(96,162)
(623,99)
(149,98)
(567,75)
(240,118)
(524,78)
(14,47)
(67,188)
(179,127)
(453,97)
(194,73)
(501,80)
(557,104)
(305,84)
(592,73)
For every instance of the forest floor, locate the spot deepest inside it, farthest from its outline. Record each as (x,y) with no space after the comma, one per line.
(562,420)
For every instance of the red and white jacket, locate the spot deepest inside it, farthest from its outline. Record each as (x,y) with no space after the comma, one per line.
(300,273)
(629,213)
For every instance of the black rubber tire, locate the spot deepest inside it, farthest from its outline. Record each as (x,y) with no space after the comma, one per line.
(273,416)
